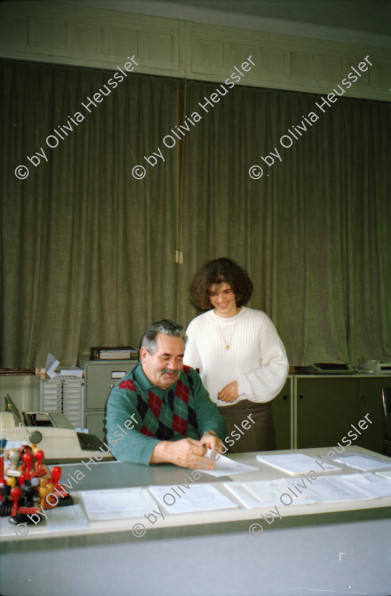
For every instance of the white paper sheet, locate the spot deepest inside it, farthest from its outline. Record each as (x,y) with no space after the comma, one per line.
(67,518)
(384,474)
(117,503)
(269,492)
(325,489)
(376,485)
(295,463)
(71,372)
(342,487)
(225,466)
(199,497)
(51,365)
(301,491)
(364,463)
(256,494)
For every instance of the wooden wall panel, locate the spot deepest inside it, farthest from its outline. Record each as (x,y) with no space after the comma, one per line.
(64,34)
(48,33)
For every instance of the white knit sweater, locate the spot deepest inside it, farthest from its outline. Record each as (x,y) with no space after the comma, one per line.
(256,358)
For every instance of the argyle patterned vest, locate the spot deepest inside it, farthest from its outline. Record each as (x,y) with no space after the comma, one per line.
(170,415)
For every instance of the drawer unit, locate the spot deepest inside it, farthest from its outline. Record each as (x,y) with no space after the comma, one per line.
(100,377)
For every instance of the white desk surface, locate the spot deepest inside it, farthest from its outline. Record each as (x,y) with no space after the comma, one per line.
(341,549)
(111,475)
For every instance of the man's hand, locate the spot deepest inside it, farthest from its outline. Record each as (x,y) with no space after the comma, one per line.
(186,453)
(211,441)
(229,393)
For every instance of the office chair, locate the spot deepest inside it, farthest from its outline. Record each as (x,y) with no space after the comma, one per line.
(386,399)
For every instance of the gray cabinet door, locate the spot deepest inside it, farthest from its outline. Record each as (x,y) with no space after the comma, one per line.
(326,407)
(282,406)
(100,377)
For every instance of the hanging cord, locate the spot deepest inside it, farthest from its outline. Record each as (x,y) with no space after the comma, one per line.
(179,224)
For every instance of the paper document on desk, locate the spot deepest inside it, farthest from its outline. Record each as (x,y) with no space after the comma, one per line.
(264,493)
(295,463)
(118,503)
(336,488)
(324,489)
(364,463)
(378,486)
(67,518)
(384,474)
(225,466)
(240,491)
(195,498)
(270,491)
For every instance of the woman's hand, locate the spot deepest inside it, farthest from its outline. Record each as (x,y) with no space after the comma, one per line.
(229,393)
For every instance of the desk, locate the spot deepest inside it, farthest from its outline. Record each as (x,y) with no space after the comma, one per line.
(342,548)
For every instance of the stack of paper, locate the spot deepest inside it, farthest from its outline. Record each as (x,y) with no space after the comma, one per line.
(117,503)
(196,498)
(71,372)
(323,489)
(266,493)
(331,489)
(364,463)
(375,483)
(241,492)
(295,463)
(69,518)
(385,474)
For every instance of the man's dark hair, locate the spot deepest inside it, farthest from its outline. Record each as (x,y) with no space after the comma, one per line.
(166,327)
(216,272)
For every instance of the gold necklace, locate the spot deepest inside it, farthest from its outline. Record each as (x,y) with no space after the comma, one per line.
(227,343)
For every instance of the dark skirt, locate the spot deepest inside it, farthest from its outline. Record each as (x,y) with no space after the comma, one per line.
(260,437)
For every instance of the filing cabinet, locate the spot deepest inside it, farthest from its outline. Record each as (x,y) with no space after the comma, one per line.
(327,406)
(100,378)
(65,395)
(282,416)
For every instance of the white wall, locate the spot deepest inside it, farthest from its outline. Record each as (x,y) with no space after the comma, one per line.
(23,389)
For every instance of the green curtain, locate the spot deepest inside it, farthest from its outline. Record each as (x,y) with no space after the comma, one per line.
(88,251)
(314,231)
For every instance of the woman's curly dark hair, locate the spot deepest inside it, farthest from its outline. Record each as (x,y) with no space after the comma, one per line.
(216,272)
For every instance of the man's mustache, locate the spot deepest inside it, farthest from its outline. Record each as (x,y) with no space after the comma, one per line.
(170,371)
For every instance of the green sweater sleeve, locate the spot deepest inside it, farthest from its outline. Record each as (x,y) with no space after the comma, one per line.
(123,426)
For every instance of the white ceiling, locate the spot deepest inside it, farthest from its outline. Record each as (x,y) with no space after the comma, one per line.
(353,21)
(373,16)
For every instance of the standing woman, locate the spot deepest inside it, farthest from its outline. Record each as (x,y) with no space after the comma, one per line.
(240,356)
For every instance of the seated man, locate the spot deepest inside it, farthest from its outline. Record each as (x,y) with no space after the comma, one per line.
(165,409)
